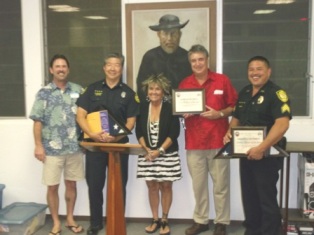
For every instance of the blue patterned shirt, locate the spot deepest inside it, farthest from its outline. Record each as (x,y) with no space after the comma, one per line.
(56,110)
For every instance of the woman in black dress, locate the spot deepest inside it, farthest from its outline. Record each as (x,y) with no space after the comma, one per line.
(157,130)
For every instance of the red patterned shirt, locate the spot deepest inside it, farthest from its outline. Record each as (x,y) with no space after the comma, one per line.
(202,133)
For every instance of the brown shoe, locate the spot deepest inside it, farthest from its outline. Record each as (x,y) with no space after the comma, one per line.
(220,229)
(164,227)
(196,228)
(153,227)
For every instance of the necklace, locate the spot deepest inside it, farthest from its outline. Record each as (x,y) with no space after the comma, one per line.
(152,129)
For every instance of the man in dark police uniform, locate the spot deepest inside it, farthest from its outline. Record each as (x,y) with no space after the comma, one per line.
(262,103)
(121,101)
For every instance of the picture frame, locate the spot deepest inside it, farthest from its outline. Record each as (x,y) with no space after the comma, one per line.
(139,38)
(246,137)
(190,101)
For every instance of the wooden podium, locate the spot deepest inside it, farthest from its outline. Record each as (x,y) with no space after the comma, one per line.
(115,203)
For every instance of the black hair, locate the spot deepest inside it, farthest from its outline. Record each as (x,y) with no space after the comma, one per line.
(58,56)
(259,58)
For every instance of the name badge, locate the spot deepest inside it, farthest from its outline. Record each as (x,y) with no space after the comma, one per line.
(74,95)
(218,92)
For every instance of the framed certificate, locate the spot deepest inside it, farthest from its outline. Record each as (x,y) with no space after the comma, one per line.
(188,101)
(246,137)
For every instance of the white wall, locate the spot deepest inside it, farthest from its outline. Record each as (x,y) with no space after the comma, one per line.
(21,172)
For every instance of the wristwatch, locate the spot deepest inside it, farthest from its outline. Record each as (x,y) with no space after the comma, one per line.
(161,151)
(221,114)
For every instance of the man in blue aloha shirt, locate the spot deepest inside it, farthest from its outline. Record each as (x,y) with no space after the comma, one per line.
(56,140)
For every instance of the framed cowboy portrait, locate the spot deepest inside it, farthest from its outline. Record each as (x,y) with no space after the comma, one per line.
(145,22)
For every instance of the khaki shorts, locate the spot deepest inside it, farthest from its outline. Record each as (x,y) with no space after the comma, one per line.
(72,166)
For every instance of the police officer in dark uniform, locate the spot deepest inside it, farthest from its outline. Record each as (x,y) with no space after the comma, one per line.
(122,102)
(262,103)
(169,58)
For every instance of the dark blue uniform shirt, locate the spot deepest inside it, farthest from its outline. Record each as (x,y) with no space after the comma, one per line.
(262,109)
(121,101)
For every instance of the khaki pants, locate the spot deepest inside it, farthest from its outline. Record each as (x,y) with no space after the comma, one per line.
(200,163)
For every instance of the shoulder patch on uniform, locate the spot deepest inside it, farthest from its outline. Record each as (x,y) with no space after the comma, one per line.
(285,108)
(137,99)
(83,90)
(282,95)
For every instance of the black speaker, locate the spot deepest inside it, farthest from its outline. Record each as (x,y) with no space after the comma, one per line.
(311,197)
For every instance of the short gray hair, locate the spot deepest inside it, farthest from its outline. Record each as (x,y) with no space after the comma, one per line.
(114,55)
(198,48)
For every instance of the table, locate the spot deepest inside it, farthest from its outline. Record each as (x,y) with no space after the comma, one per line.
(292,147)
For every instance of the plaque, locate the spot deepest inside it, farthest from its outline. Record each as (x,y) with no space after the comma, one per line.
(190,101)
(246,137)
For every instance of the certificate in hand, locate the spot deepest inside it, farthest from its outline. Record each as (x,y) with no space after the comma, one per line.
(247,137)
(188,101)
